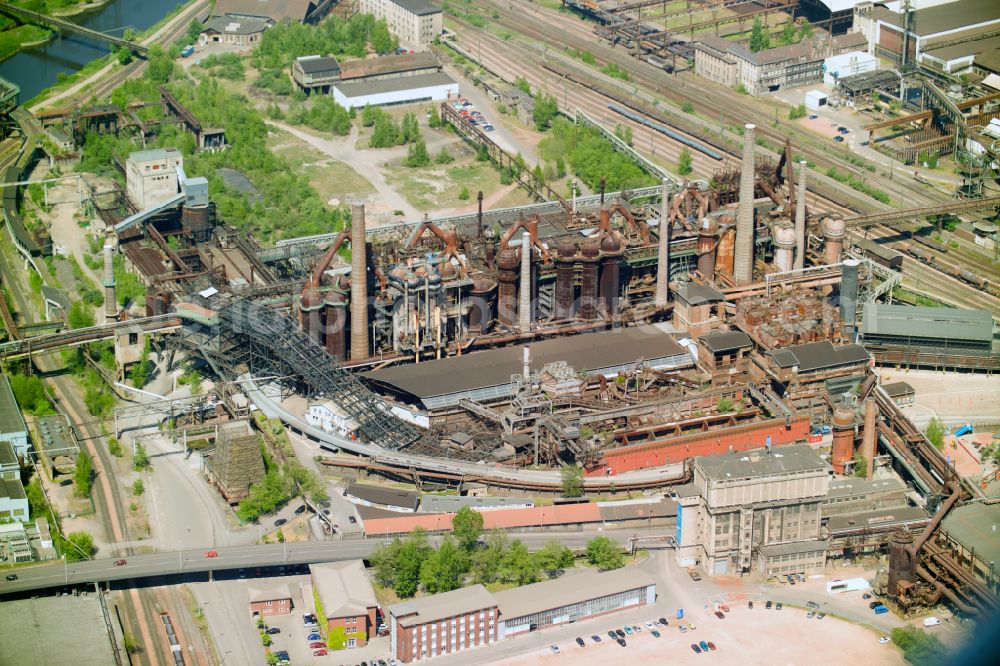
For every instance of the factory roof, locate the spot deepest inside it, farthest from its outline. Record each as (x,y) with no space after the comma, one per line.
(263,591)
(773,550)
(614,511)
(890,517)
(7,456)
(790,459)
(11,420)
(275,10)
(898,389)
(452,503)
(406,499)
(236,26)
(698,294)
(537,516)
(854,486)
(444,382)
(313,65)
(361,88)
(941,18)
(442,606)
(815,48)
(153,154)
(418,7)
(975,526)
(822,355)
(343,587)
(12,489)
(687,490)
(388,64)
(572,588)
(723,341)
(916,322)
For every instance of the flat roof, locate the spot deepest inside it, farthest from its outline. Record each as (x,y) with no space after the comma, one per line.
(56,630)
(314,65)
(920,322)
(272,9)
(506,519)
(442,606)
(687,490)
(873,519)
(975,526)
(263,591)
(153,154)
(898,389)
(698,294)
(855,486)
(747,464)
(380,495)
(590,352)
(723,341)
(794,548)
(418,7)
(940,18)
(613,511)
(12,489)
(388,64)
(7,455)
(572,588)
(378,86)
(819,355)
(452,503)
(11,420)
(343,587)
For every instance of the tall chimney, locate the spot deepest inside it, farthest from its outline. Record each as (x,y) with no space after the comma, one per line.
(524,295)
(574,195)
(526,361)
(663,253)
(359,283)
(870,435)
(744,216)
(479,215)
(800,219)
(849,295)
(110,298)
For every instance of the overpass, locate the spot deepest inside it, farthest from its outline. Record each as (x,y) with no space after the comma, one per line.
(954,208)
(194,561)
(65,25)
(80,336)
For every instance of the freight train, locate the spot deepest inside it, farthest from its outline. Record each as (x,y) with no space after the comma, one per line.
(880,254)
(927,257)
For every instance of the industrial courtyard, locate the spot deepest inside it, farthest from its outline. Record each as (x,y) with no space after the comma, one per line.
(521,332)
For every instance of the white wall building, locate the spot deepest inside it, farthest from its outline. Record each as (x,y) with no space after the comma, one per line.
(151,176)
(330,418)
(435,87)
(847,64)
(413,22)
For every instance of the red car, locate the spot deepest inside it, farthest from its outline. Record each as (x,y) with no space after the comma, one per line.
(120,563)
(711,645)
(317,645)
(212,553)
(319,653)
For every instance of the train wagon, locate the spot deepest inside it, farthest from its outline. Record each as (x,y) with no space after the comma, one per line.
(880,254)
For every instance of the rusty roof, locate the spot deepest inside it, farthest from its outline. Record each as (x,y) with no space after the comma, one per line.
(389,64)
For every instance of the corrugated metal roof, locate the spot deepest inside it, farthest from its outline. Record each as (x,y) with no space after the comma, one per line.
(11,420)
(976,527)
(361,88)
(572,588)
(899,515)
(793,548)
(917,322)
(941,18)
(315,65)
(726,340)
(462,601)
(389,64)
(406,499)
(819,356)
(786,460)
(898,389)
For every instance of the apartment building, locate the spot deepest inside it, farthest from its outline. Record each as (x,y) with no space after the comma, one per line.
(413,22)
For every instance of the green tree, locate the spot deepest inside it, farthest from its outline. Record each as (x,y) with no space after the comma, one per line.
(684,162)
(385,561)
(272,659)
(434,118)
(482,155)
(553,557)
(417,155)
(443,569)
(444,157)
(141,460)
(486,561)
(724,405)
(797,112)
(467,526)
(935,432)
(522,84)
(464,194)
(141,370)
(546,108)
(687,107)
(138,487)
(919,647)
(409,129)
(788,32)
(604,553)
(265,496)
(80,546)
(194,30)
(29,391)
(386,131)
(160,66)
(517,565)
(115,447)
(80,315)
(412,553)
(860,466)
(759,38)
(572,481)
(83,474)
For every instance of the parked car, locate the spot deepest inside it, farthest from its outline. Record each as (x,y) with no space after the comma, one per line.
(711,645)
(791,579)
(821,616)
(694,574)
(811,614)
(580,642)
(488,128)
(319,653)
(273,630)
(621,641)
(655,633)
(691,626)
(11,577)
(595,638)
(636,628)
(838,139)
(317,644)
(619,633)
(612,635)
(314,637)
(694,646)
(650,626)
(120,563)
(768,605)
(628,630)
(354,521)
(812,604)
(873,604)
(843,130)
(663,621)
(212,553)
(813,116)
(720,615)
(683,629)
(282,655)
(300,510)
(703,645)
(883,640)
(554,648)
(866,596)
(279,522)
(778,605)
(750,605)
(725,608)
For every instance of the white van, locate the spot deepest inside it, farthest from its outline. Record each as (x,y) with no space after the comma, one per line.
(931,621)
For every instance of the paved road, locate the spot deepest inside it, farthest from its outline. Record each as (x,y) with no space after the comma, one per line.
(250,556)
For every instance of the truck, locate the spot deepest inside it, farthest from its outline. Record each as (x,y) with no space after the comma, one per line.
(187,51)
(964,430)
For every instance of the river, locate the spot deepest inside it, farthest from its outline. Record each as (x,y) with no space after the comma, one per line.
(36,69)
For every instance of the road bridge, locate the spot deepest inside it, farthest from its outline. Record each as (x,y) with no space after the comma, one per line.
(44,343)
(68,26)
(954,208)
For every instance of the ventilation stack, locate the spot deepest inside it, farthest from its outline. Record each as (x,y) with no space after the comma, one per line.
(707,242)
(524,295)
(565,258)
(870,436)
(663,252)
(359,284)
(744,215)
(833,239)
(843,439)
(800,219)
(849,295)
(784,246)
(110,298)
(902,566)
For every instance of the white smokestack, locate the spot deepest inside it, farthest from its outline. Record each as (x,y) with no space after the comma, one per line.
(744,218)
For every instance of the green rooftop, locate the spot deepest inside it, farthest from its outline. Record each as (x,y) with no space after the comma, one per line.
(976,527)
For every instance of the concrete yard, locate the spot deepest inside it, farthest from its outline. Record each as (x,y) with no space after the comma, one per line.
(56,630)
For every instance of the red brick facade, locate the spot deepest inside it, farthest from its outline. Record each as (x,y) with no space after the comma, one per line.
(356,628)
(271,607)
(454,634)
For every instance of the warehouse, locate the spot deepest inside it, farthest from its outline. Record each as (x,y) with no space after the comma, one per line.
(930,329)
(393,80)
(972,532)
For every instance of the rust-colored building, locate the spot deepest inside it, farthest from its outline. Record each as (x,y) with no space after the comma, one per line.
(347,598)
(268,600)
(443,623)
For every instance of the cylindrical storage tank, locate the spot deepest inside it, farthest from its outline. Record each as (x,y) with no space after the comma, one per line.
(849,295)
(335,326)
(565,258)
(726,254)
(311,314)
(707,237)
(784,248)
(196,220)
(508,264)
(590,255)
(833,239)
(843,439)
(901,562)
(481,307)
(610,275)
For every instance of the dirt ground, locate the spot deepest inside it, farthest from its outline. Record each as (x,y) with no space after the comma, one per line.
(745,637)
(949,394)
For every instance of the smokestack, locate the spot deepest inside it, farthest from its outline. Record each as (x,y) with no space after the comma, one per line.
(663,252)
(849,295)
(603,184)
(870,435)
(359,283)
(800,219)
(479,215)
(524,295)
(833,239)
(574,196)
(527,363)
(110,298)
(784,246)
(744,216)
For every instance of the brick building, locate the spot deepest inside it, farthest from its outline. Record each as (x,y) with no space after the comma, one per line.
(443,623)
(347,598)
(268,600)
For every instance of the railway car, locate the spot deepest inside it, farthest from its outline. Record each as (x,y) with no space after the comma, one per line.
(931,243)
(882,255)
(920,253)
(977,281)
